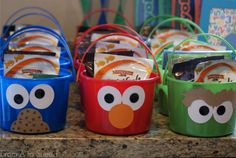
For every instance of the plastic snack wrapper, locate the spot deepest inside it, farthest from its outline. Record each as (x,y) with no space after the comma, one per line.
(185,70)
(220,71)
(182,56)
(163,36)
(18,64)
(115,67)
(34,38)
(89,60)
(39,48)
(122,47)
(117,39)
(200,46)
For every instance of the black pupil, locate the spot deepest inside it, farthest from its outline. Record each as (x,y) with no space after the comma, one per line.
(109,98)
(39,93)
(18,99)
(134,97)
(221,110)
(204,110)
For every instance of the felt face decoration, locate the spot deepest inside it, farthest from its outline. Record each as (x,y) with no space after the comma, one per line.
(202,105)
(121,108)
(29,106)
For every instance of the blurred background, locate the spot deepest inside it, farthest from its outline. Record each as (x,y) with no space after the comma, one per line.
(68,12)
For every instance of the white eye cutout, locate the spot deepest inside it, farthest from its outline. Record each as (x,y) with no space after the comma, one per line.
(223,112)
(17,96)
(134,97)
(42,96)
(108,96)
(199,111)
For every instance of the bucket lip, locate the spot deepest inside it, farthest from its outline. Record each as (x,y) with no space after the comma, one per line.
(66,76)
(197,83)
(155,78)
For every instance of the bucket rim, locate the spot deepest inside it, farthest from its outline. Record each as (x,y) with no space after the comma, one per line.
(197,83)
(67,74)
(155,78)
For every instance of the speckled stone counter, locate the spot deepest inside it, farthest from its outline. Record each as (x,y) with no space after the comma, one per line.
(76,141)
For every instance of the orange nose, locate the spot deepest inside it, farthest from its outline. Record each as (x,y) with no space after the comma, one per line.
(121,116)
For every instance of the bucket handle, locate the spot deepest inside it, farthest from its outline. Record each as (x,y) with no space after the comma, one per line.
(35,14)
(39,29)
(149,20)
(110,26)
(171,45)
(181,20)
(30,8)
(90,14)
(186,40)
(119,34)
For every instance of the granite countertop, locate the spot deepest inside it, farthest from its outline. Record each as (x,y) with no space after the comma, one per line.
(76,141)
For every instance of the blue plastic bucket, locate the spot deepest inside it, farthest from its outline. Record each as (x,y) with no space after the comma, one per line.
(34,106)
(65,63)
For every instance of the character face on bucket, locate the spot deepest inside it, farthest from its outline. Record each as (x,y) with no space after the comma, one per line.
(30,103)
(202,105)
(121,108)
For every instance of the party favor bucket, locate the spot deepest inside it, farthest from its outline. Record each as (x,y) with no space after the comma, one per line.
(117,107)
(202,109)
(33,106)
(161,94)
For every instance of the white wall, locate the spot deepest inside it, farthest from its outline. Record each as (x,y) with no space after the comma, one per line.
(68,12)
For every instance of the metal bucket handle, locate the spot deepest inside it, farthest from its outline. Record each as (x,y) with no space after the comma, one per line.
(119,34)
(186,40)
(39,29)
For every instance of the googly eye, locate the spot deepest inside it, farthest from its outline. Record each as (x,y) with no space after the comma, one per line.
(17,96)
(223,112)
(42,96)
(199,111)
(108,96)
(134,97)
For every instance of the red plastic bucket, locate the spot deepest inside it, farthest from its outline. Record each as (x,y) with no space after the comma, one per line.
(117,107)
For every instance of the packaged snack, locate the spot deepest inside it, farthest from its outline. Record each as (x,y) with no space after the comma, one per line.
(115,67)
(34,38)
(185,70)
(122,47)
(117,39)
(215,71)
(163,36)
(9,29)
(200,46)
(182,56)
(89,64)
(23,64)
(39,48)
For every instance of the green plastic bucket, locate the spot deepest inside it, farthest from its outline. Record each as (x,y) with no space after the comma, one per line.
(201,109)
(161,92)
(189,120)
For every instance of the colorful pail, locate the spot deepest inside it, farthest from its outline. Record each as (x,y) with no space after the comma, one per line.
(34,106)
(162,91)
(116,107)
(202,109)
